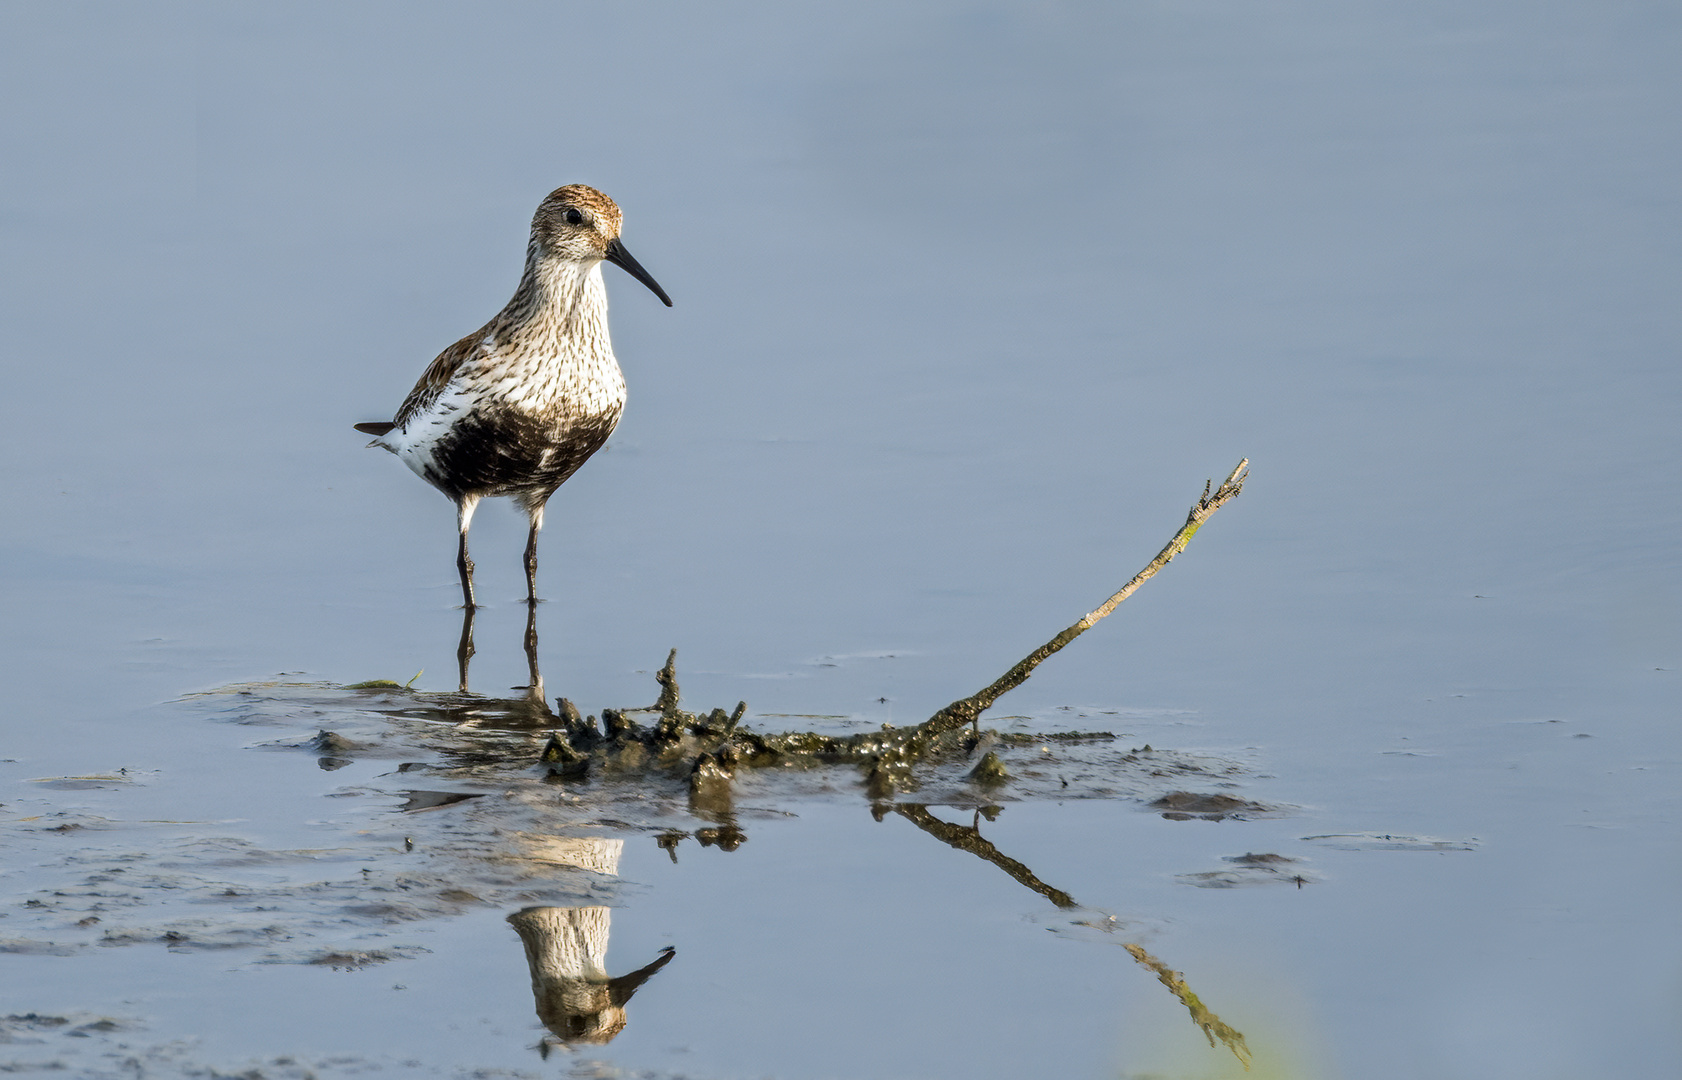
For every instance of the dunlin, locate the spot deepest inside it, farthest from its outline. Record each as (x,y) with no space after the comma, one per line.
(515,407)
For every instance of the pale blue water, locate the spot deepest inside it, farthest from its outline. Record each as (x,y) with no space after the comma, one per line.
(970,300)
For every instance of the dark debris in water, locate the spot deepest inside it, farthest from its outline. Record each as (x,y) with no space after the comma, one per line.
(1267,859)
(331,742)
(1252,869)
(1389,842)
(652,765)
(356,961)
(119,779)
(433,800)
(1190,805)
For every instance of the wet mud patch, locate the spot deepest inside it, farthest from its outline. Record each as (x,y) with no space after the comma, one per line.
(1388,842)
(156,887)
(120,778)
(458,804)
(89,1046)
(521,749)
(1213,806)
(1251,869)
(26,947)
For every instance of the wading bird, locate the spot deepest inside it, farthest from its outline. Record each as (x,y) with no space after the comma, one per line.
(515,407)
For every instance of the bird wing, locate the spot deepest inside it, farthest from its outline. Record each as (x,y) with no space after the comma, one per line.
(438,375)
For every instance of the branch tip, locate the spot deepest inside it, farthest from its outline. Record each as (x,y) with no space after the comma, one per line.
(968,710)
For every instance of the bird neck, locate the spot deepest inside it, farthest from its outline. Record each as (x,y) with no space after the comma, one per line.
(561,307)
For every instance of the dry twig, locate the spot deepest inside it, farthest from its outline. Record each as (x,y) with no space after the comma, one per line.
(968,710)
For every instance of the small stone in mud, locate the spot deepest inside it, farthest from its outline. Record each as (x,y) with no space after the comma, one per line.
(990,770)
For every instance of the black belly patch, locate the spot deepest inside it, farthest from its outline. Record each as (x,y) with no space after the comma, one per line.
(490,452)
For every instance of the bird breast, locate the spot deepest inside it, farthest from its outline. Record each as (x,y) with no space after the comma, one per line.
(542,383)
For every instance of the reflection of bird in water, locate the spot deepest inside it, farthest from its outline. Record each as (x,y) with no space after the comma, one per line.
(566,948)
(515,407)
(575,997)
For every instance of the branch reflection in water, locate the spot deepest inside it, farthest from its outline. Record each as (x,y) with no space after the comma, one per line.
(968,838)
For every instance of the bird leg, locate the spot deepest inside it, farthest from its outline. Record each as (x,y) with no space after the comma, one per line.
(464,516)
(536,513)
(465,650)
(465,565)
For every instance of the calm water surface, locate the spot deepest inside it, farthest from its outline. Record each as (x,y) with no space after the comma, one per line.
(970,301)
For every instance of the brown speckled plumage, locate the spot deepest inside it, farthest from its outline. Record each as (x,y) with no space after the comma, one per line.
(517,406)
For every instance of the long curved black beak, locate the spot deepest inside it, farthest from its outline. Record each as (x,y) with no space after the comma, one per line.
(618,256)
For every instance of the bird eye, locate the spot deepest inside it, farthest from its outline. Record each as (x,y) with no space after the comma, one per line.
(573,217)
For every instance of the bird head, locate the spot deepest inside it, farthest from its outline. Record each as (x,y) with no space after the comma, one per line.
(577,223)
